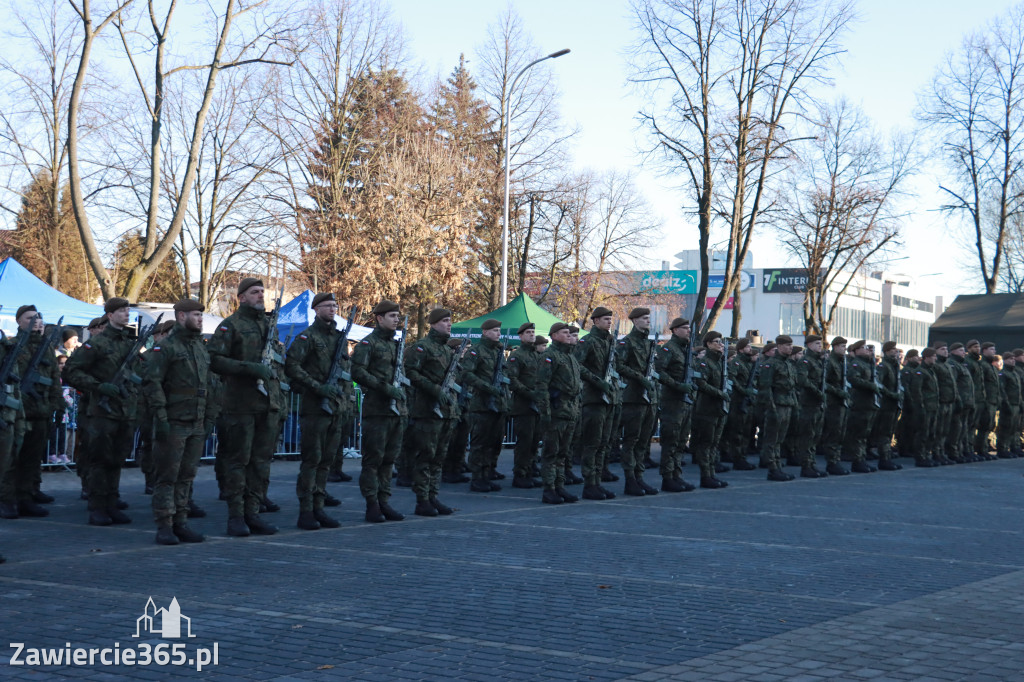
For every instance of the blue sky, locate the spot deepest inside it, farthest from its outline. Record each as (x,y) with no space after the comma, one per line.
(892,54)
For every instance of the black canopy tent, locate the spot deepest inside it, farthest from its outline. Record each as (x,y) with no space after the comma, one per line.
(998,318)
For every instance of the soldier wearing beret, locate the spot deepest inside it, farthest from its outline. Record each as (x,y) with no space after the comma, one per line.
(488,408)
(601,400)
(959,445)
(325,403)
(676,405)
(890,402)
(639,401)
(863,392)
(251,411)
(433,409)
(979,427)
(1009,399)
(810,406)
(144,450)
(921,405)
(837,407)
(112,410)
(96,325)
(528,400)
(760,401)
(1017,445)
(779,382)
(709,411)
(177,385)
(561,376)
(987,412)
(740,423)
(947,400)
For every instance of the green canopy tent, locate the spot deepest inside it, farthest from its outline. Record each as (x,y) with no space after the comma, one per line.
(512,315)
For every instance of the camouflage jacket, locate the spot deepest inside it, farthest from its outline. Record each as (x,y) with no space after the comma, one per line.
(1009,390)
(48,398)
(808,373)
(178,383)
(426,363)
(836,392)
(892,382)
(670,363)
(974,366)
(633,351)
(95,362)
(373,368)
(947,381)
(563,381)
(477,376)
(308,364)
(964,381)
(592,354)
(236,345)
(780,382)
(712,401)
(526,368)
(740,368)
(862,388)
(993,394)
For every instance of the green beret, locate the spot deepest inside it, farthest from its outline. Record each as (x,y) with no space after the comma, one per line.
(855,346)
(526,326)
(25,309)
(248,283)
(889,345)
(438,314)
(710,336)
(838,341)
(811,338)
(783,339)
(97,322)
(115,303)
(321,297)
(638,312)
(678,322)
(600,311)
(490,324)
(912,353)
(385,307)
(557,327)
(188,305)
(953,347)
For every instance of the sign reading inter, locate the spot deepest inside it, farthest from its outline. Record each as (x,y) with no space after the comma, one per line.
(785,281)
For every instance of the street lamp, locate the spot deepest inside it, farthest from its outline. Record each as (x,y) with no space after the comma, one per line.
(504,225)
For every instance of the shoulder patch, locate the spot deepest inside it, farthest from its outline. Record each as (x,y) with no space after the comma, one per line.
(87,345)
(547,359)
(472,352)
(156,349)
(303,336)
(512,359)
(419,348)
(664,349)
(223,328)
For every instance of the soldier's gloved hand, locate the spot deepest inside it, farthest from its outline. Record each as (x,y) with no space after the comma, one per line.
(490,389)
(444,398)
(328,391)
(108,389)
(844,395)
(259,370)
(647,383)
(394,392)
(208,427)
(161,431)
(605,386)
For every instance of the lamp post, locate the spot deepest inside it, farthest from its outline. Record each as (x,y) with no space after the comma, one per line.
(504,224)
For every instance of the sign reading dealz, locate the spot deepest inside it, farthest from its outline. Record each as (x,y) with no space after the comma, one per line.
(785,281)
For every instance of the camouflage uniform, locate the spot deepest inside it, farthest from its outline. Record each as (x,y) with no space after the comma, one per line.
(178,390)
(779,377)
(947,402)
(958,443)
(426,363)
(920,406)
(676,405)
(638,413)
(987,414)
(884,428)
(811,402)
(308,366)
(524,367)
(373,367)
(862,411)
(1009,402)
(740,422)
(561,374)
(600,398)
(488,408)
(12,414)
(111,434)
(251,420)
(709,412)
(980,422)
(837,402)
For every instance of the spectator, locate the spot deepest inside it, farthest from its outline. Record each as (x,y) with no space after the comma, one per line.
(70,341)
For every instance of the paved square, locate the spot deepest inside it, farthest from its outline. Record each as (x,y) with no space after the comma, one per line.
(916,574)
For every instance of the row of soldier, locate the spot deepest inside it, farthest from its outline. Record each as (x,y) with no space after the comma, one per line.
(581,393)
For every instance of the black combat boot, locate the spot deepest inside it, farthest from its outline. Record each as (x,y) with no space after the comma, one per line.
(326,521)
(608,494)
(30,508)
(424,508)
(454,477)
(186,534)
(566,495)
(258,526)
(165,535)
(195,511)
(118,516)
(480,485)
(121,504)
(495,475)
(779,475)
(633,487)
(8,510)
(607,476)
(520,482)
(42,498)
(373,512)
(710,482)
(593,492)
(862,467)
(646,487)
(687,486)
(442,509)
(270,505)
(338,476)
(571,478)
(720,468)
(551,497)
(390,513)
(812,472)
(331,501)
(237,527)
(98,517)
(925,463)
(741,464)
(307,521)
(836,469)
(888,465)
(671,485)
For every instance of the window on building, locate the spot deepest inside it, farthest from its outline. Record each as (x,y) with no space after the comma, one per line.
(791,318)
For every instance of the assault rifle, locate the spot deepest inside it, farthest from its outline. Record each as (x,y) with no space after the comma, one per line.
(337,374)
(499,379)
(32,375)
(726,381)
(611,372)
(846,384)
(755,371)
(649,374)
(448,384)
(824,379)
(269,356)
(688,373)
(400,379)
(7,375)
(126,371)
(875,380)
(899,384)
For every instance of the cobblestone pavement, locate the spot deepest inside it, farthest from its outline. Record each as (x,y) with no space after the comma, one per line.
(915,574)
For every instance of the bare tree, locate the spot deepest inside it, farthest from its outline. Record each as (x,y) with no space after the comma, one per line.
(975,106)
(726,79)
(838,206)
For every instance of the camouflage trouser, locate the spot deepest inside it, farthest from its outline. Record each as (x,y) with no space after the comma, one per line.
(675,422)
(858,427)
(487,431)
(967,430)
(776,426)
(144,452)
(738,427)
(985,416)
(110,442)
(1005,434)
(247,443)
(458,443)
(407,452)
(430,444)
(597,424)
(320,435)
(941,431)
(809,422)
(25,462)
(175,462)
(6,447)
(637,429)
(528,435)
(704,438)
(557,450)
(882,432)
(919,432)
(953,446)
(382,441)
(82,449)
(833,431)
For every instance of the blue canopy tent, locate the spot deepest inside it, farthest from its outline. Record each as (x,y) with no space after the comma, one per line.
(296,315)
(18,287)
